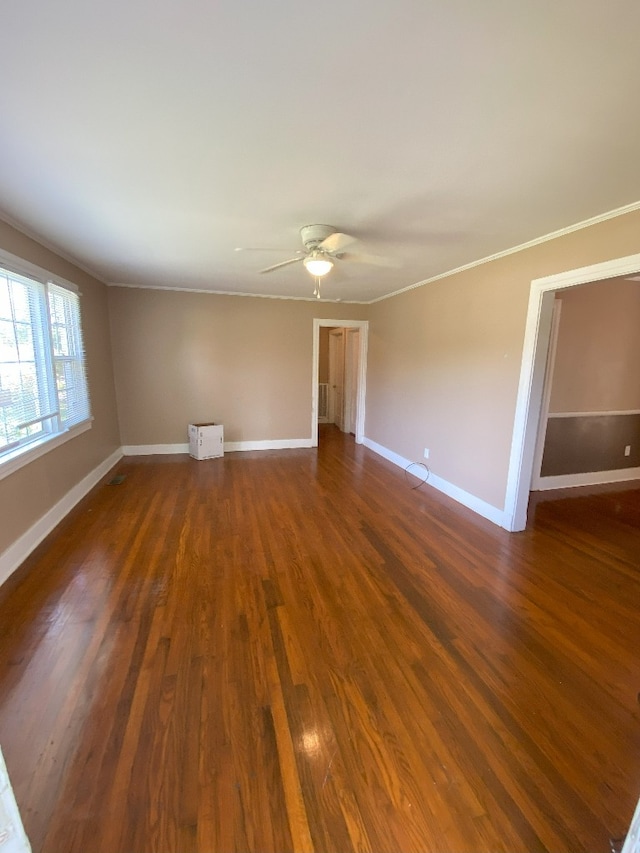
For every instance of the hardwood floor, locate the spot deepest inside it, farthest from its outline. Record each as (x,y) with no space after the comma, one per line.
(295,651)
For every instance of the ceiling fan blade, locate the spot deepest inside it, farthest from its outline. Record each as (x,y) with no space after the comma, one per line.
(282,264)
(375,260)
(336,242)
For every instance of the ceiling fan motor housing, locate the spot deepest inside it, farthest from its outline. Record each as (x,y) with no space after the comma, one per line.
(313,235)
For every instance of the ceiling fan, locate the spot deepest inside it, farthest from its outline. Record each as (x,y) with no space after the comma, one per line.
(324,245)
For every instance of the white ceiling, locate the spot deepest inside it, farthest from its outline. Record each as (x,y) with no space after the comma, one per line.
(146,140)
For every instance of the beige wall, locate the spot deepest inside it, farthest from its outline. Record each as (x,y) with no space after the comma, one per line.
(597,365)
(27,494)
(443,369)
(444,359)
(245,362)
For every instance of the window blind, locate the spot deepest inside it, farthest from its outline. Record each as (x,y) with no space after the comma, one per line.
(43,386)
(68,355)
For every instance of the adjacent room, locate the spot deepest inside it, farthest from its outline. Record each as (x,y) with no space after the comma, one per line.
(392,253)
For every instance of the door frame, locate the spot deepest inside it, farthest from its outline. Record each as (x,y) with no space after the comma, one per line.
(363,326)
(546,394)
(532,372)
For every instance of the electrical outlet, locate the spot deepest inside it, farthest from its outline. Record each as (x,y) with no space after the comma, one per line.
(426,453)
(627,450)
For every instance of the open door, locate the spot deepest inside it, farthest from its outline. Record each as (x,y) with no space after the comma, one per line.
(336,377)
(357,389)
(351,364)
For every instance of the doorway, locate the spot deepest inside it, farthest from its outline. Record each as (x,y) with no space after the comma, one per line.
(350,339)
(532,373)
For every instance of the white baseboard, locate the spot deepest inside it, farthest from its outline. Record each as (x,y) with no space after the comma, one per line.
(17,553)
(268,444)
(398,460)
(153,449)
(229,446)
(592,478)
(483,508)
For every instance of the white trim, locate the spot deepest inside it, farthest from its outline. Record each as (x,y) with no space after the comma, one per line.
(531,384)
(383,451)
(543,420)
(234,293)
(27,453)
(51,247)
(229,446)
(474,503)
(16,264)
(609,414)
(363,326)
(267,444)
(154,449)
(590,478)
(17,553)
(586,223)
(553,235)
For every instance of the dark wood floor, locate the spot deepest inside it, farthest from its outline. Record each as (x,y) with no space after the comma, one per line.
(295,651)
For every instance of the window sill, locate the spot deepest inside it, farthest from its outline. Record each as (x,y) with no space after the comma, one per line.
(22,456)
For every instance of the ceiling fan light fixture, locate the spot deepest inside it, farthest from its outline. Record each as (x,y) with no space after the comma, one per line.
(318,264)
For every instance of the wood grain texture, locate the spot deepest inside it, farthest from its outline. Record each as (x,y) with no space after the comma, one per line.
(295,651)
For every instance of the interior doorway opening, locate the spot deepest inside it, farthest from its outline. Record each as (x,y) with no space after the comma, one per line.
(339,376)
(538,335)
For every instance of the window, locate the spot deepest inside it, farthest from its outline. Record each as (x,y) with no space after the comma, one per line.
(43,386)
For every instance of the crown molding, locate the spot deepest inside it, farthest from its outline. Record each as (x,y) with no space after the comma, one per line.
(553,235)
(234,293)
(51,247)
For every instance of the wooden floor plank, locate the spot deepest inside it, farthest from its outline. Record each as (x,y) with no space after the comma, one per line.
(295,650)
